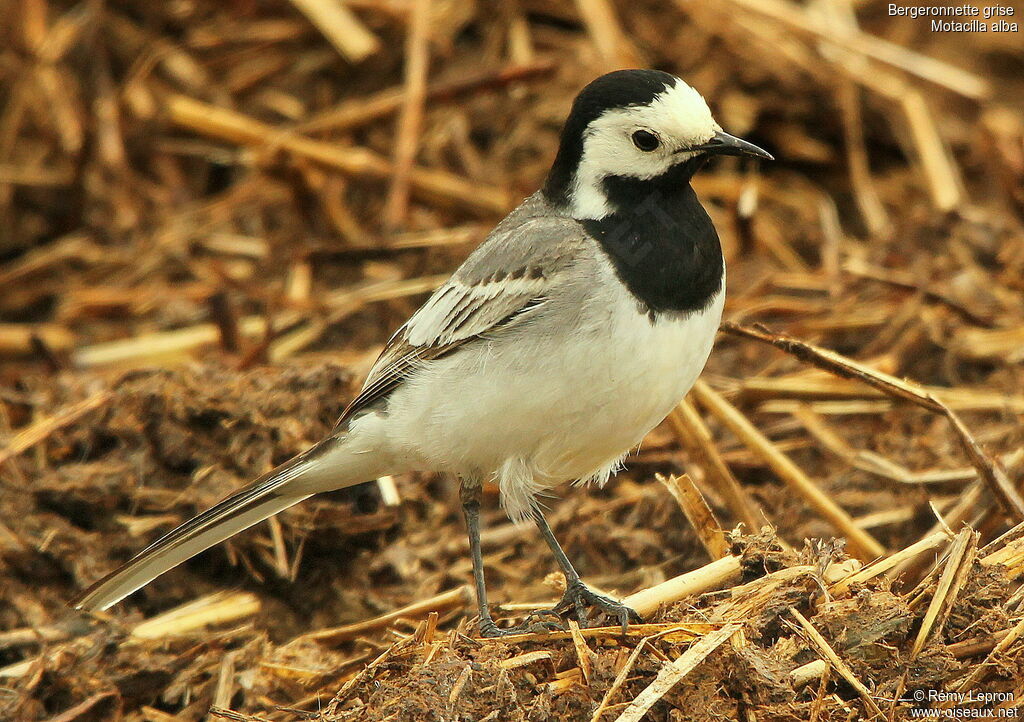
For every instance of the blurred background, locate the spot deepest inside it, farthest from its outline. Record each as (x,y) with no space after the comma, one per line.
(213,215)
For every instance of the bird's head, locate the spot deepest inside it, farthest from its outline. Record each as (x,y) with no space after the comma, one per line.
(633,124)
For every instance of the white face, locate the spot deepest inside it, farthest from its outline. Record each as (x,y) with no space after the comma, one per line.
(677,119)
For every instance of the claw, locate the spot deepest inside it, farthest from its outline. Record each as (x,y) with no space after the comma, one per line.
(491,630)
(578,596)
(534,623)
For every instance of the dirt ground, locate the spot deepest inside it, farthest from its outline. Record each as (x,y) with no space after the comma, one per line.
(213,215)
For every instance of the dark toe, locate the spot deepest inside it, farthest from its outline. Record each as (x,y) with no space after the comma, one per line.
(579,596)
(535,623)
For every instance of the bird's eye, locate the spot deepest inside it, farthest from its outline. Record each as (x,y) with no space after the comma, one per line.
(645,140)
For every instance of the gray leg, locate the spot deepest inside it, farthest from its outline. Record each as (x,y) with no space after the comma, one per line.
(470,495)
(549,536)
(577,595)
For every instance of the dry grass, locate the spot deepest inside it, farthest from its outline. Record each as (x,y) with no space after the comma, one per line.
(213,215)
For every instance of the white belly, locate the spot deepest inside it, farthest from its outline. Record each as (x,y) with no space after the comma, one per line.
(534,414)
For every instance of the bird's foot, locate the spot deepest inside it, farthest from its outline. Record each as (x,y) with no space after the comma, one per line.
(578,597)
(535,623)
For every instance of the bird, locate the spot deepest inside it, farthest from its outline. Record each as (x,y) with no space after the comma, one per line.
(573,330)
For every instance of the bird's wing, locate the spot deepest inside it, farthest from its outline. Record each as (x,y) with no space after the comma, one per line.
(511,274)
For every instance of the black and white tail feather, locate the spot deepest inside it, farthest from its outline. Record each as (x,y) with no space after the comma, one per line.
(271,493)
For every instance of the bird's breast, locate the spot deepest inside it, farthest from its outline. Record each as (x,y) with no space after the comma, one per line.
(655,360)
(662,245)
(563,397)
(624,371)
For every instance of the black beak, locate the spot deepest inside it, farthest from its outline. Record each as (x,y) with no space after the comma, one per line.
(724,144)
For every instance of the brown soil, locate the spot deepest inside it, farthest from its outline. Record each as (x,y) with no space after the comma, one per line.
(147,243)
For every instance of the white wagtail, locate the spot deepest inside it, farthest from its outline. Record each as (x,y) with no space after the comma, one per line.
(570,333)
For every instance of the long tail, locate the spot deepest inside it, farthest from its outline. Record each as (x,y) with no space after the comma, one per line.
(318,469)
